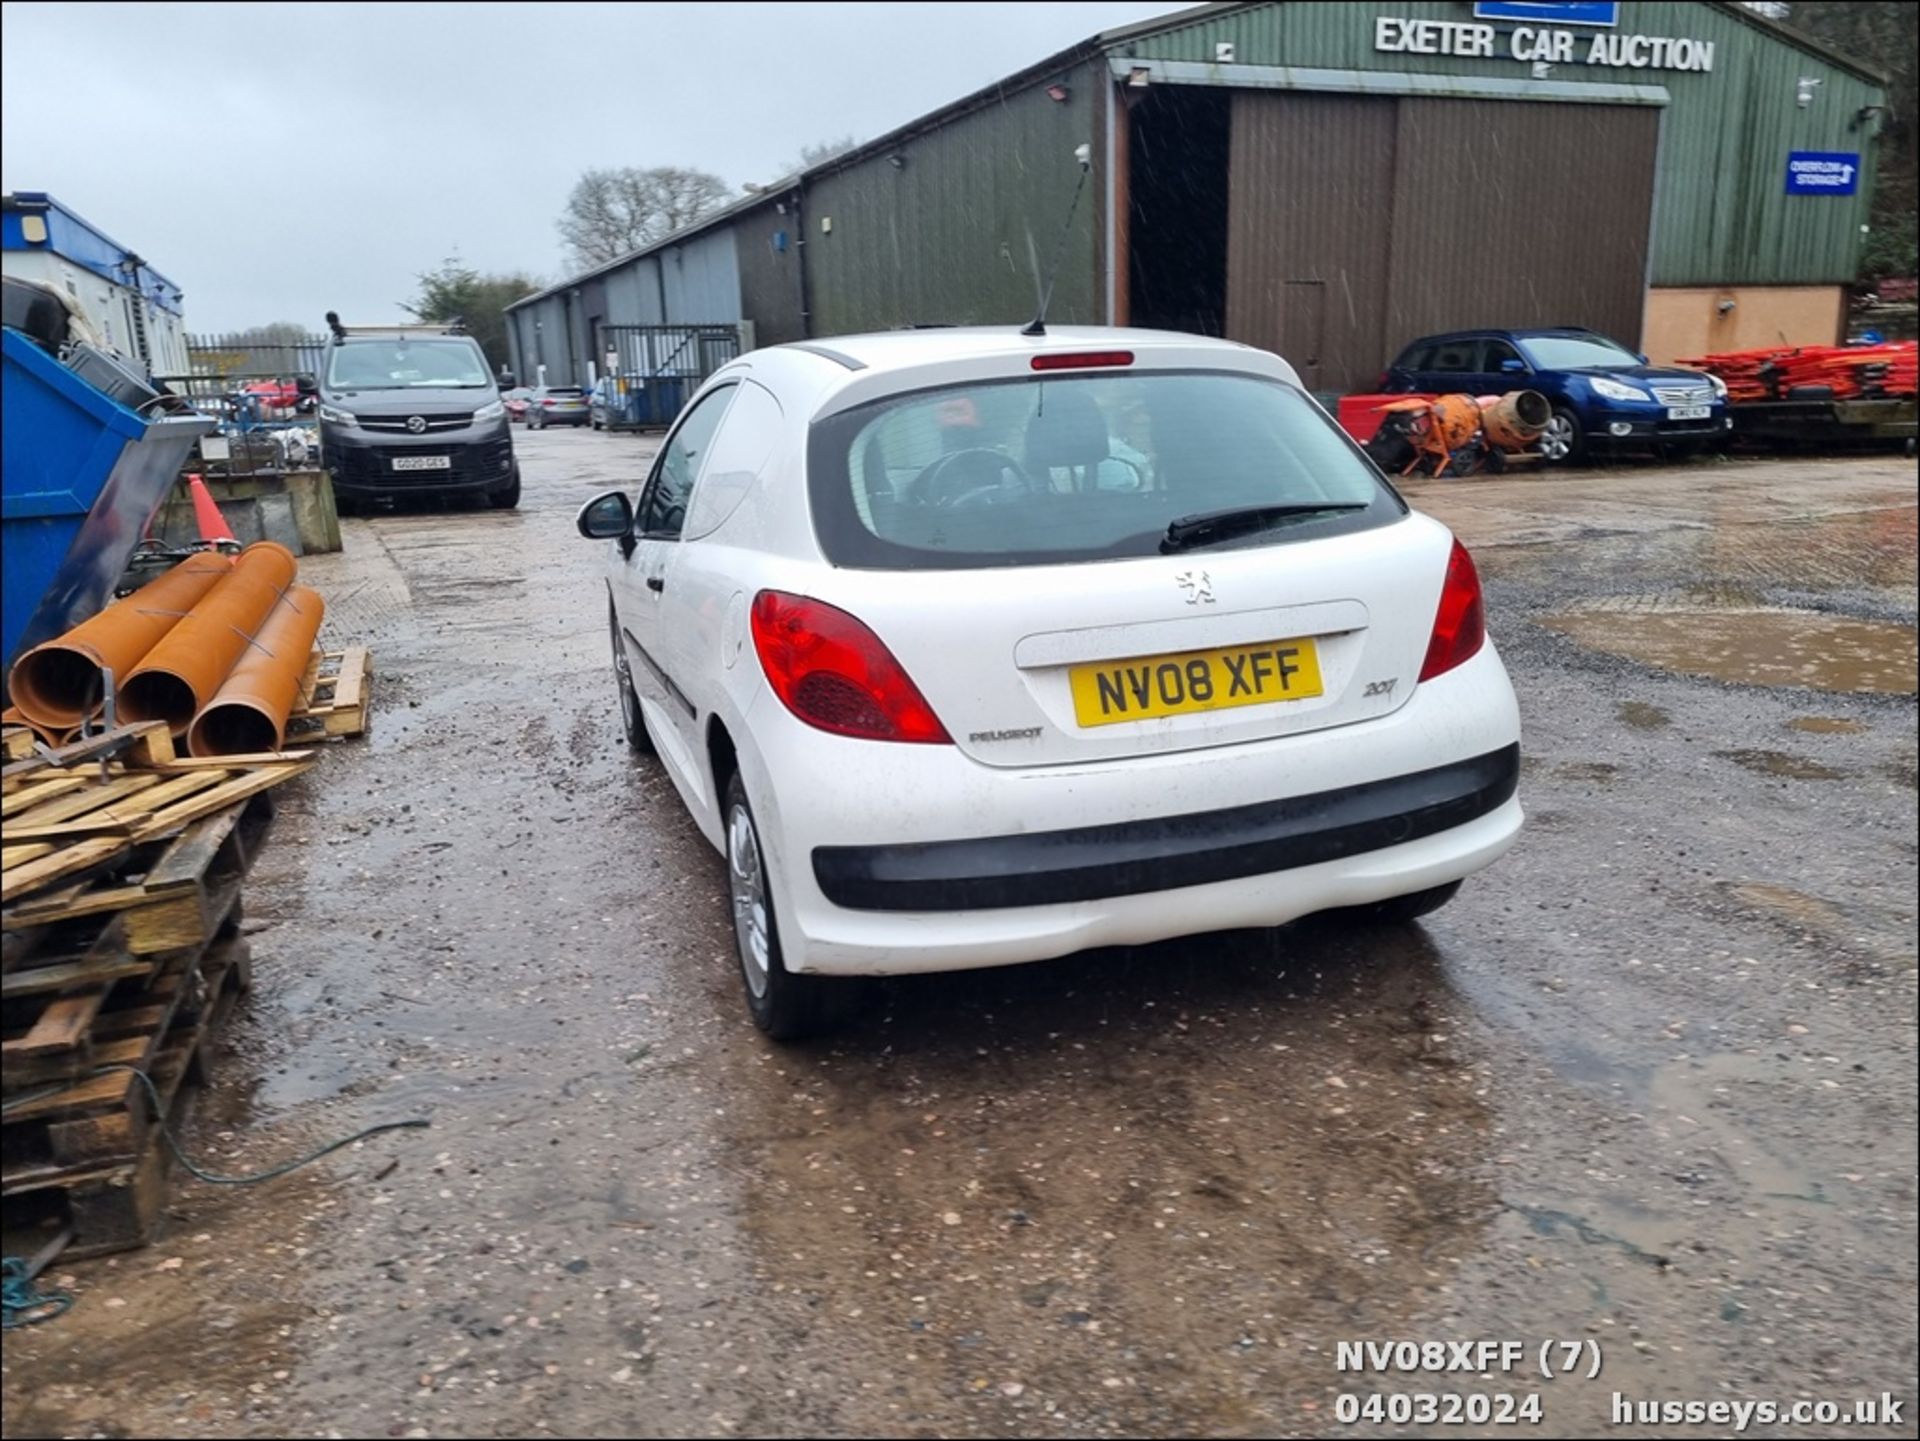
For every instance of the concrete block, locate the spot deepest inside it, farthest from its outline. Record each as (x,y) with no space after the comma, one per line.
(277,523)
(314,511)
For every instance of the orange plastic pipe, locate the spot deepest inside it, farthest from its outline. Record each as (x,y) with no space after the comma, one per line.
(182,672)
(248,714)
(57,684)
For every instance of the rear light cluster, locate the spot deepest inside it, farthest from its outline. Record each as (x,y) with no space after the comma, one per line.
(836,675)
(1460,626)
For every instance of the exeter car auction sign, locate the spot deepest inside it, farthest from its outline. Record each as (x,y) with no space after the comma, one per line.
(1540,44)
(1823,172)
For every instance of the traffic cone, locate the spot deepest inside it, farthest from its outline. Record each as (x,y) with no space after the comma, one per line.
(206,515)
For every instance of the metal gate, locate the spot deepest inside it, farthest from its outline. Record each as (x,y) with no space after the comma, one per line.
(652,369)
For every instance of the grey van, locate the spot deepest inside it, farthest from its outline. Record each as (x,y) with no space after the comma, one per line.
(405,412)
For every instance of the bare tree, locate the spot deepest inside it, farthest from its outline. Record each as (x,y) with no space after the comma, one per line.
(812,155)
(613,212)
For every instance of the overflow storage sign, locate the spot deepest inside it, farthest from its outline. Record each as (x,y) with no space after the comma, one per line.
(1823,172)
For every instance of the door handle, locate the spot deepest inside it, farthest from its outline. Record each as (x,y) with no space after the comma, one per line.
(656,583)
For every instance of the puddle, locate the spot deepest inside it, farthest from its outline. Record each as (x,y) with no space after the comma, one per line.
(1709,1099)
(1641,716)
(1823,725)
(1779,763)
(1756,647)
(1587,771)
(1797,906)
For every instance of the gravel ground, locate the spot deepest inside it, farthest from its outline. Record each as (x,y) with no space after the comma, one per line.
(1650,1081)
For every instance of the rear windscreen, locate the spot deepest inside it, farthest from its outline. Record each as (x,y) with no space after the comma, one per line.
(1086,467)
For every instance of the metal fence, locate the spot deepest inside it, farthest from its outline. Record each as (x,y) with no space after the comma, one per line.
(653,369)
(246,354)
(253,385)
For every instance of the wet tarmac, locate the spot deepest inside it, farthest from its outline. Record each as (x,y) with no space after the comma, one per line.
(1650,1081)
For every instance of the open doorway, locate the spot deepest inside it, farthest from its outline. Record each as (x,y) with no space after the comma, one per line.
(1178,141)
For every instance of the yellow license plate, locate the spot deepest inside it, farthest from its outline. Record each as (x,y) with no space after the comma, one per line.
(1198,680)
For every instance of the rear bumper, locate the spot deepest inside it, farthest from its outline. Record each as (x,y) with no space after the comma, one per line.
(1091,863)
(898,859)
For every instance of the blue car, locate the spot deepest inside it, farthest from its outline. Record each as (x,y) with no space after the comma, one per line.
(1604,397)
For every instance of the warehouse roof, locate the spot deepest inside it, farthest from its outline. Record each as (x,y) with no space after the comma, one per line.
(1076,54)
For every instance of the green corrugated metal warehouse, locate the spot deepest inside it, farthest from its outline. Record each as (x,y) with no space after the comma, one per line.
(1330,180)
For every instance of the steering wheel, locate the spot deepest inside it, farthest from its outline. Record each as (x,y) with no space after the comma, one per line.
(974,476)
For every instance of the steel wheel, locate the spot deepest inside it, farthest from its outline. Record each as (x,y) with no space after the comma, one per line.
(747,879)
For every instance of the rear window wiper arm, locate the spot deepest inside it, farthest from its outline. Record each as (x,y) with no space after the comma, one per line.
(1204,529)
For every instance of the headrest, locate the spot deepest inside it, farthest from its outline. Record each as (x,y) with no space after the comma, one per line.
(1068,429)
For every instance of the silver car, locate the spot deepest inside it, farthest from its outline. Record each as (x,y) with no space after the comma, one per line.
(557,405)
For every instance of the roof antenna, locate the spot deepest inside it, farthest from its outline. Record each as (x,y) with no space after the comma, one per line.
(1038,326)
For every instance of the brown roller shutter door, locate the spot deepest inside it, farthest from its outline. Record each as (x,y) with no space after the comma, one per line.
(1358,223)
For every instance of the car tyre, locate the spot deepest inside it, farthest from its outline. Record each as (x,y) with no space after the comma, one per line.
(1565,442)
(1400,910)
(508,496)
(784,1005)
(633,723)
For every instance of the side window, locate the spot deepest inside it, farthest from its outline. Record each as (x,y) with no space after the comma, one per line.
(1414,357)
(663,507)
(1497,355)
(735,458)
(1453,355)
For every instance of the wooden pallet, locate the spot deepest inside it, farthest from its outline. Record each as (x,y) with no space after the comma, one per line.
(338,696)
(160,889)
(97,975)
(84,810)
(57,1130)
(115,1205)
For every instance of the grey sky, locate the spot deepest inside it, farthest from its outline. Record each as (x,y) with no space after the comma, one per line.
(281,160)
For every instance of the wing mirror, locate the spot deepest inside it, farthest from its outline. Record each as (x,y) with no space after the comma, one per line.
(1513,365)
(607,517)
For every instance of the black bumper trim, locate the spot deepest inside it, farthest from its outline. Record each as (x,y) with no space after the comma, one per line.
(1091,863)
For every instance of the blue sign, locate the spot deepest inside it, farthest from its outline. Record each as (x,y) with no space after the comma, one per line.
(1823,172)
(1540,12)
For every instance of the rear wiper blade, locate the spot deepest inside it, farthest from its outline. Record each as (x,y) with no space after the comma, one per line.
(1204,529)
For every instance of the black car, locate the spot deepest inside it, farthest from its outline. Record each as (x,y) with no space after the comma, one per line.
(409,413)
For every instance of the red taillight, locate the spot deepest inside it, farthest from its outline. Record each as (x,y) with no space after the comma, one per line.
(834,673)
(548,401)
(1460,626)
(1083,360)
